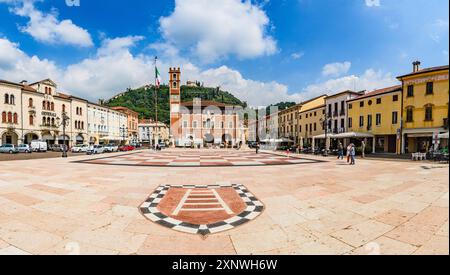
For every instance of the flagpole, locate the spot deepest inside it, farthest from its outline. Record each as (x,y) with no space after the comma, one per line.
(156,104)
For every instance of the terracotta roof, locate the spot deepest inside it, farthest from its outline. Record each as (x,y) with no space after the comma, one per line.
(24,87)
(66,96)
(206,103)
(379,92)
(344,92)
(311,100)
(426,70)
(150,121)
(313,109)
(124,109)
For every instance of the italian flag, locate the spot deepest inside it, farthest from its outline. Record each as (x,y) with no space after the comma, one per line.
(157,77)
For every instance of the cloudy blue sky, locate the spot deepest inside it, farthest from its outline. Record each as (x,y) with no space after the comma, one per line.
(263,51)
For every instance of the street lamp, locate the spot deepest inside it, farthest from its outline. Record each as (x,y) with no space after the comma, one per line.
(124,131)
(63,122)
(325,121)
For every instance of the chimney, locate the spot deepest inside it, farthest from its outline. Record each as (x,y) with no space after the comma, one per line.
(101,102)
(24,82)
(416,66)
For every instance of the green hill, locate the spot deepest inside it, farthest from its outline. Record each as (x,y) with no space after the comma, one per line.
(142,101)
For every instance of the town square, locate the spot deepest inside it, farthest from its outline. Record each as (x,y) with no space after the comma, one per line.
(195,135)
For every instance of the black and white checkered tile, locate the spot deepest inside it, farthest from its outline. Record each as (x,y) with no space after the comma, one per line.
(150,211)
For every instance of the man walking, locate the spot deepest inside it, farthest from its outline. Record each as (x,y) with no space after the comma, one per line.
(352,154)
(340,151)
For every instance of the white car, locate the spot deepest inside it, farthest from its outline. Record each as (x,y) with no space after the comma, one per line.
(111,148)
(39,146)
(95,150)
(81,148)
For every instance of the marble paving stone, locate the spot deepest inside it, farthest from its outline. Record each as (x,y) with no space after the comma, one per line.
(360,234)
(323,206)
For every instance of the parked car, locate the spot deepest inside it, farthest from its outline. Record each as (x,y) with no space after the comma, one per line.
(59,148)
(111,148)
(162,145)
(126,148)
(95,150)
(39,146)
(80,148)
(24,148)
(252,144)
(9,149)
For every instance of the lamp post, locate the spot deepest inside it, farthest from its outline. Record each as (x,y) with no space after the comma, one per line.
(63,122)
(124,131)
(325,122)
(156,104)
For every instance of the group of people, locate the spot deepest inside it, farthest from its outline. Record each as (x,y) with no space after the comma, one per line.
(351,153)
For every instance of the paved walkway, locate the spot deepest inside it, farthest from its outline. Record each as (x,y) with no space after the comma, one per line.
(198,158)
(54,206)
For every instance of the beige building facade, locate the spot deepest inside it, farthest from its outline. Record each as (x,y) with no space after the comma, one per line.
(34,111)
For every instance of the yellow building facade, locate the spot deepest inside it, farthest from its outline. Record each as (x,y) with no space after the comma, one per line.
(287,121)
(378,114)
(302,122)
(425,108)
(310,124)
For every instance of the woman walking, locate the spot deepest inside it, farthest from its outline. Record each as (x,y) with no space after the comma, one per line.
(349,148)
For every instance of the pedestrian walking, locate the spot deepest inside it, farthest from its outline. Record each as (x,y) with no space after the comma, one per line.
(352,154)
(363,147)
(257,148)
(349,148)
(340,151)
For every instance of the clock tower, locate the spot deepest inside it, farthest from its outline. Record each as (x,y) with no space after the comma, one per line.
(175,101)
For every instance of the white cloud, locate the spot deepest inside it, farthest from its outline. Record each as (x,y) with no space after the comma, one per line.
(114,68)
(297,55)
(47,28)
(214,29)
(336,69)
(438,30)
(373,3)
(370,80)
(256,93)
(16,65)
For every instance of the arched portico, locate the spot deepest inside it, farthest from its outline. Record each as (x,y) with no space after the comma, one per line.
(10,137)
(29,137)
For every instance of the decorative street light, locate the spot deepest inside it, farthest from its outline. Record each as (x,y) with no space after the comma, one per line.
(63,121)
(325,121)
(124,132)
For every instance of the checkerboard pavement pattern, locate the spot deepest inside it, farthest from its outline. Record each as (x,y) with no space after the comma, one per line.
(253,210)
(199,159)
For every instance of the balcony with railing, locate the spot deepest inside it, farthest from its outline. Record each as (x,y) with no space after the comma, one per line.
(335,113)
(48,126)
(342,113)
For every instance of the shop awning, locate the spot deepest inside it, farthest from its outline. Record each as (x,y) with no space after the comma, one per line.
(281,140)
(109,138)
(443,136)
(323,136)
(354,135)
